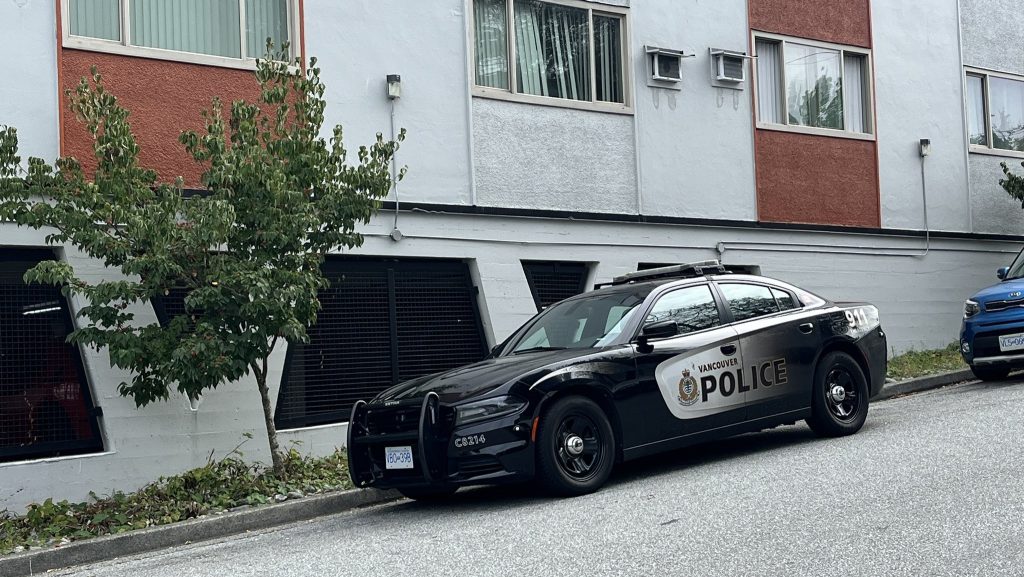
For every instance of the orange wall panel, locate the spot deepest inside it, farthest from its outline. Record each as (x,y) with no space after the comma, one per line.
(163,98)
(840,21)
(816,179)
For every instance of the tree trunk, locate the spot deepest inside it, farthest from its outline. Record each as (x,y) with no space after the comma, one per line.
(268,417)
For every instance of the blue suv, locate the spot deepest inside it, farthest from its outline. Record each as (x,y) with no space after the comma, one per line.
(992,333)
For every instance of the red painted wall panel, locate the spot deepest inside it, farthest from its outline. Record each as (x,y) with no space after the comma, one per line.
(816,179)
(163,98)
(839,21)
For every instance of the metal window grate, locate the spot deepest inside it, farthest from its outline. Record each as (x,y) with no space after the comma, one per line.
(45,406)
(551,282)
(381,322)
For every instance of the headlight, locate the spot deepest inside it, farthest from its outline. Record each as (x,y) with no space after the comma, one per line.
(488,409)
(971,308)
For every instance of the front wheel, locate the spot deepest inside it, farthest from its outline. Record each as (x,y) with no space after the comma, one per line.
(839,401)
(575,447)
(990,373)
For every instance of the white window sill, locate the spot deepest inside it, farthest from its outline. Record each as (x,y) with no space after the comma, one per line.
(40,460)
(111,47)
(499,94)
(986,151)
(816,131)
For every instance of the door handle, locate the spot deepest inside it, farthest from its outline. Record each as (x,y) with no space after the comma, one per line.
(806,328)
(728,350)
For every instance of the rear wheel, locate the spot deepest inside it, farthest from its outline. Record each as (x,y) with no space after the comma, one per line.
(840,396)
(575,447)
(990,373)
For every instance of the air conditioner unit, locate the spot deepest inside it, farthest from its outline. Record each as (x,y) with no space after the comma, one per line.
(665,65)
(728,66)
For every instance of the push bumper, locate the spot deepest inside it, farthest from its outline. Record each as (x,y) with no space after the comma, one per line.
(491,452)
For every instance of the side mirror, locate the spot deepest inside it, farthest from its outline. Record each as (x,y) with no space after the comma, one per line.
(1001,273)
(658,330)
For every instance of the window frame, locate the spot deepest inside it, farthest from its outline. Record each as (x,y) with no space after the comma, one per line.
(592,8)
(124,47)
(868,89)
(989,147)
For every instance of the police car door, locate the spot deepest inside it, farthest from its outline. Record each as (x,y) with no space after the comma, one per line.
(685,381)
(779,344)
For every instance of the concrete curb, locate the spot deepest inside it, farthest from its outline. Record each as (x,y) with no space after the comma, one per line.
(924,384)
(191,531)
(219,526)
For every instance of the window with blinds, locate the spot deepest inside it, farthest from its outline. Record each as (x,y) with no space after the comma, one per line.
(812,86)
(236,29)
(381,323)
(46,408)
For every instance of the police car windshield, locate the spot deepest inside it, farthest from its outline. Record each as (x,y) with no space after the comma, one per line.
(580,323)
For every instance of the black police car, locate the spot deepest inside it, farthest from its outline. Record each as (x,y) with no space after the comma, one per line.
(657,360)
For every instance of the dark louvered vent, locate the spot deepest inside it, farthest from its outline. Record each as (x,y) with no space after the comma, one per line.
(551,282)
(170,305)
(650,265)
(45,406)
(381,322)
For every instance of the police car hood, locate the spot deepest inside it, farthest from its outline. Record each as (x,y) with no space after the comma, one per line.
(1000,291)
(489,377)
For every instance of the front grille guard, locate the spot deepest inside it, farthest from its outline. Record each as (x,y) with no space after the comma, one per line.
(365,471)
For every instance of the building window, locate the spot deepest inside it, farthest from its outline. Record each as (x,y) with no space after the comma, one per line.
(219,32)
(564,52)
(995,112)
(807,86)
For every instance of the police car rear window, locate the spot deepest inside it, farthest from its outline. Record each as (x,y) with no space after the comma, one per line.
(747,301)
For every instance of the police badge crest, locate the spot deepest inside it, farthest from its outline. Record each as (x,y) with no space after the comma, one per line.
(688,389)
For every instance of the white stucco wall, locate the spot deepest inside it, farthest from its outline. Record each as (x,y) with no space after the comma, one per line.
(360,42)
(992,40)
(696,144)
(29,88)
(916,46)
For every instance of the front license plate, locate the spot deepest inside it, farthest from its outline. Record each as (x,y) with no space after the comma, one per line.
(1011,342)
(398,457)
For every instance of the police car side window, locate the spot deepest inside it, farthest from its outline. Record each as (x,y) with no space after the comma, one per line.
(784,299)
(747,301)
(692,308)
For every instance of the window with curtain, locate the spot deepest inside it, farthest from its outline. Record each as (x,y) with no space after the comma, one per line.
(995,111)
(804,85)
(225,28)
(549,49)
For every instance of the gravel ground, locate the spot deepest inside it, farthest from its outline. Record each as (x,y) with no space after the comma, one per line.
(930,486)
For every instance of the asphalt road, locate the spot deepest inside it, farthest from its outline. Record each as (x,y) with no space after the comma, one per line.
(930,486)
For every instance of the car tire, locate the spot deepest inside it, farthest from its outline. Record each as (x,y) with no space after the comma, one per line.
(428,494)
(575,447)
(840,396)
(990,373)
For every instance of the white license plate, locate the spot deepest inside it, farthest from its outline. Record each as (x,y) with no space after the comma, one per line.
(398,457)
(1011,342)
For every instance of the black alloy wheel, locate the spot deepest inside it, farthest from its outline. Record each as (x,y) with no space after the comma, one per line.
(575,447)
(840,396)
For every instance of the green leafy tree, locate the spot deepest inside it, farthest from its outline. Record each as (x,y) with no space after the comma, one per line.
(1013,184)
(247,252)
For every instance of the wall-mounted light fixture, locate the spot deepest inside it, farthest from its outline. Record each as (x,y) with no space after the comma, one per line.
(394,86)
